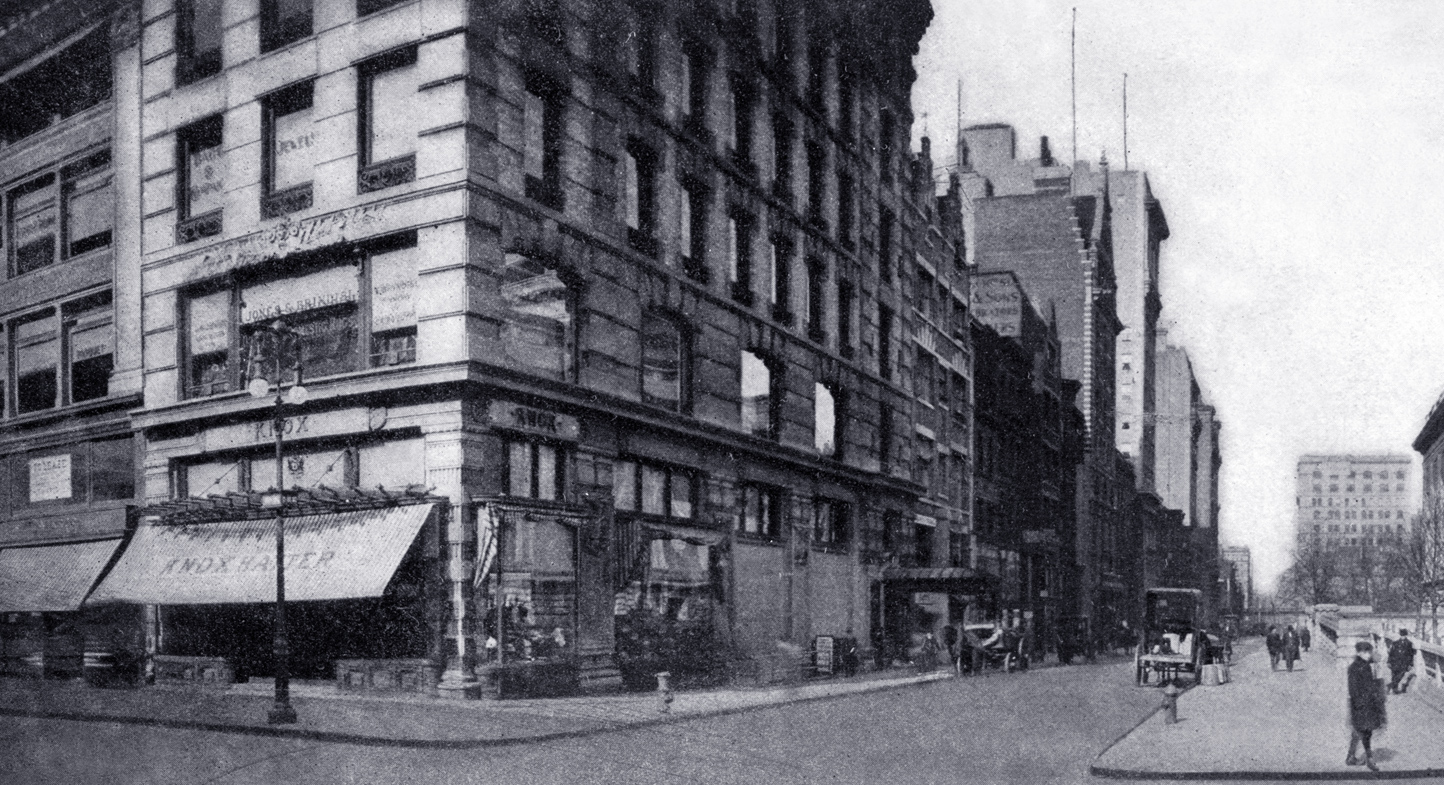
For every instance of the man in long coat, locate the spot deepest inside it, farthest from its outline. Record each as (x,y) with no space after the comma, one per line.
(1366,705)
(1275,646)
(1291,646)
(1401,659)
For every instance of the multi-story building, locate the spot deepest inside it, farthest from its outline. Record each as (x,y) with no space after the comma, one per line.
(1430,447)
(632,335)
(1352,501)
(70,341)
(1177,396)
(1028,449)
(1240,559)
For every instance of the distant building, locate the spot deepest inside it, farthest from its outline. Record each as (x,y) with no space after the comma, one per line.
(1350,501)
(1240,559)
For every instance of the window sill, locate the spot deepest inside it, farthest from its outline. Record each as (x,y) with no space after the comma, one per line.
(386,174)
(191,229)
(281,203)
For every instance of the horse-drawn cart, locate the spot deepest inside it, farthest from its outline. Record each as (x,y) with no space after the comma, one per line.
(1173,639)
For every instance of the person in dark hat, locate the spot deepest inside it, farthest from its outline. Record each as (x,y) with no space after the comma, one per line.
(1401,660)
(1366,706)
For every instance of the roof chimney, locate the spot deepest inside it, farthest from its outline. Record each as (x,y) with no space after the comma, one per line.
(1045,154)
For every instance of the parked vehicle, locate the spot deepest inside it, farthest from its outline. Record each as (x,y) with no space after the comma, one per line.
(1002,648)
(1174,639)
(1075,638)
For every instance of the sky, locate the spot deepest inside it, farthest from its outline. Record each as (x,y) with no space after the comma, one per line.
(1296,149)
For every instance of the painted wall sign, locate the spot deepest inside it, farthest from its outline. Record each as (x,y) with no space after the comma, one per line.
(50,478)
(301,426)
(998,303)
(290,237)
(507,414)
(207,180)
(333,286)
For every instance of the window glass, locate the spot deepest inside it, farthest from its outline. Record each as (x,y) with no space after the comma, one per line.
(661,362)
(534,135)
(301,470)
(685,241)
(624,485)
(546,472)
(654,490)
(205,171)
(112,469)
(53,476)
(394,283)
(294,145)
(681,494)
(37,358)
(92,340)
(320,307)
(759,511)
(824,420)
(537,333)
(34,221)
(205,26)
(393,464)
(284,21)
(633,196)
(89,212)
(208,343)
(756,395)
(4,377)
(392,113)
(519,481)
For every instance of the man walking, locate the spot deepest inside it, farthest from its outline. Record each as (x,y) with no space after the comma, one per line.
(1366,705)
(1275,646)
(1401,660)
(1291,646)
(1304,637)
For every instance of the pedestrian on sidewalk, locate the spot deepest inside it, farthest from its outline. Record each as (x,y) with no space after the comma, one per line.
(1275,645)
(1401,661)
(1305,637)
(1366,705)
(1291,646)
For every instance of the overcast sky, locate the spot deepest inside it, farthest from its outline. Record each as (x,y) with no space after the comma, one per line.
(1295,147)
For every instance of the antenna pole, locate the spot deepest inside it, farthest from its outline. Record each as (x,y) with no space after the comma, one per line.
(1125,121)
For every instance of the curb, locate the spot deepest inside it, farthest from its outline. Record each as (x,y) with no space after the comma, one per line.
(442,744)
(1312,776)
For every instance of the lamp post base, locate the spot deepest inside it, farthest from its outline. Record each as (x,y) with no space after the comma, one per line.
(281,714)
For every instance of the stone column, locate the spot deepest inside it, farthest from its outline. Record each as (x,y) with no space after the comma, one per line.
(448,451)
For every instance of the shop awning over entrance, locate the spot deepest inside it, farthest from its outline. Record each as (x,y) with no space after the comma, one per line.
(332,556)
(51,578)
(954,580)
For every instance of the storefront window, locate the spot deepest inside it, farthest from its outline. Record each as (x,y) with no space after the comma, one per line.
(208,322)
(394,284)
(535,470)
(90,336)
(211,479)
(653,489)
(538,328)
(302,469)
(669,611)
(532,610)
(393,464)
(320,307)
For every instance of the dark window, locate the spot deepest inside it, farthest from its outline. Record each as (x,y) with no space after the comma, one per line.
(67,83)
(388,120)
(816,180)
(693,231)
(542,141)
(844,317)
(288,147)
(887,134)
(831,525)
(640,198)
(846,100)
(781,275)
(782,156)
(37,363)
(696,67)
(364,7)
(761,511)
(845,209)
(923,544)
(884,342)
(654,489)
(198,39)
(740,118)
(817,75)
(202,180)
(664,362)
(284,21)
(90,347)
(884,244)
(535,470)
(639,51)
(891,530)
(885,435)
(816,299)
(782,32)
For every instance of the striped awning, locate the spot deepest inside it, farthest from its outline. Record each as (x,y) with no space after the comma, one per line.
(50,578)
(332,556)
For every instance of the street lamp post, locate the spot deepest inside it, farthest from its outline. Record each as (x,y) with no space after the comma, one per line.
(281,341)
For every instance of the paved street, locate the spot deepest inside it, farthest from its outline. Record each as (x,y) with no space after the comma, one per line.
(1043,726)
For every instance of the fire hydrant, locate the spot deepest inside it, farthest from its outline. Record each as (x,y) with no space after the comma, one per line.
(1170,702)
(664,692)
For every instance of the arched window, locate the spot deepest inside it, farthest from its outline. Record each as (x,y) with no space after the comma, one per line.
(538,334)
(664,362)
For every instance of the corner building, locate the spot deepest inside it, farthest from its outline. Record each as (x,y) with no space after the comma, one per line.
(622,284)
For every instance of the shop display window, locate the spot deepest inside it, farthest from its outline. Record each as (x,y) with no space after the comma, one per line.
(760,513)
(653,489)
(669,611)
(535,470)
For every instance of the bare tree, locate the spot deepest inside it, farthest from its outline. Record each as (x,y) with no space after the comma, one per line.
(1421,559)
(1310,579)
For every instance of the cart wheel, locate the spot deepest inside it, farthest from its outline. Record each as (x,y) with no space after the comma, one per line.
(1010,661)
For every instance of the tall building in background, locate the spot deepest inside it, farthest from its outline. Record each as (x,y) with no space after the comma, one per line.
(1240,560)
(1177,395)
(1353,501)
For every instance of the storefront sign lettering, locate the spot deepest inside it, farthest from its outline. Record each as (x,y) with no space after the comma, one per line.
(50,478)
(291,426)
(524,418)
(334,286)
(219,565)
(998,303)
(289,237)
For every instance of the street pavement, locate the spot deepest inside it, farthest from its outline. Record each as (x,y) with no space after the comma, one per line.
(1275,724)
(1043,726)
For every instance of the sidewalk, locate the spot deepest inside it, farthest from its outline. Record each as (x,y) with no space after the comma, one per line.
(409,721)
(1275,725)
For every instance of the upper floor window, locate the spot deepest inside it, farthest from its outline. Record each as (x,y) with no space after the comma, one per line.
(328,310)
(89,334)
(781,275)
(884,342)
(741,107)
(388,120)
(782,156)
(640,199)
(364,7)
(830,523)
(664,362)
(816,300)
(760,513)
(653,489)
(538,333)
(739,257)
(198,39)
(760,401)
(692,230)
(845,210)
(817,75)
(816,181)
(846,100)
(542,141)
(63,357)
(639,52)
(886,146)
(845,297)
(535,470)
(884,244)
(66,84)
(284,21)
(696,68)
(202,180)
(923,538)
(825,421)
(61,214)
(86,472)
(288,147)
